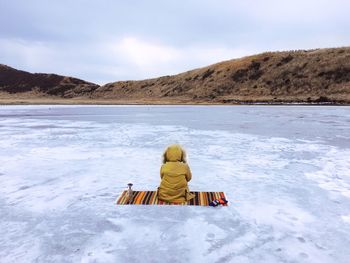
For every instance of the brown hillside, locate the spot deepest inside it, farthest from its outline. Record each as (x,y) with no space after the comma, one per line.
(16,81)
(321,75)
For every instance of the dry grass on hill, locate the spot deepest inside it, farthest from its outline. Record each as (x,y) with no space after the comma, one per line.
(318,76)
(295,76)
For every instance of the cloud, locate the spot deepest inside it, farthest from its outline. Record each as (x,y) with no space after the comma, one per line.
(146,59)
(50,57)
(297,12)
(109,40)
(25,53)
(144,54)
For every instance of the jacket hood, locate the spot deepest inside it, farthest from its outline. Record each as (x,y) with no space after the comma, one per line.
(174,153)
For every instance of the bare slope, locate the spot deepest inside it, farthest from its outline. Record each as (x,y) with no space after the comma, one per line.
(294,76)
(38,84)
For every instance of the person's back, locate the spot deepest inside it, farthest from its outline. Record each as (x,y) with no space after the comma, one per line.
(174,174)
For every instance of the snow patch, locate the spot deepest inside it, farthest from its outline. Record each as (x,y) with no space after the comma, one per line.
(346,218)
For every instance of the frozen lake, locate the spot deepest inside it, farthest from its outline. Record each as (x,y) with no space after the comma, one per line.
(284,169)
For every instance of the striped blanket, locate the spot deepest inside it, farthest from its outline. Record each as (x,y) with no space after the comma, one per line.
(150,198)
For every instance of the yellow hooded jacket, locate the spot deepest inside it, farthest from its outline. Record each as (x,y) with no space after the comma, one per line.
(174,174)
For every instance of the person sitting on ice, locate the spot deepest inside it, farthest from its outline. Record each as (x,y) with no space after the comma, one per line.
(175,174)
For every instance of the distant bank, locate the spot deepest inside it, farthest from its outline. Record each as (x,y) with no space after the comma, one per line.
(320,76)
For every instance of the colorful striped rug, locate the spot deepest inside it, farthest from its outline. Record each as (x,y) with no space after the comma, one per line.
(150,198)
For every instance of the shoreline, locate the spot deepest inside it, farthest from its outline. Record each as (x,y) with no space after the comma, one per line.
(155,103)
(39,99)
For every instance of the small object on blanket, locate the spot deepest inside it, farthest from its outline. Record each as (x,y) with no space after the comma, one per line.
(220,201)
(151,198)
(130,194)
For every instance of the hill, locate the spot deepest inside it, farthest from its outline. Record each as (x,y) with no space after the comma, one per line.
(14,82)
(313,76)
(294,76)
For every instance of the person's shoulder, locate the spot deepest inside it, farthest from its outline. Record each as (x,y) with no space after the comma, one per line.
(184,164)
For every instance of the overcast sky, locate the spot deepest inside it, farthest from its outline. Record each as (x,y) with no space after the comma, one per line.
(108,40)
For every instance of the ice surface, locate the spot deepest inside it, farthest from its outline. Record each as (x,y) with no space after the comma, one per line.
(285,170)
